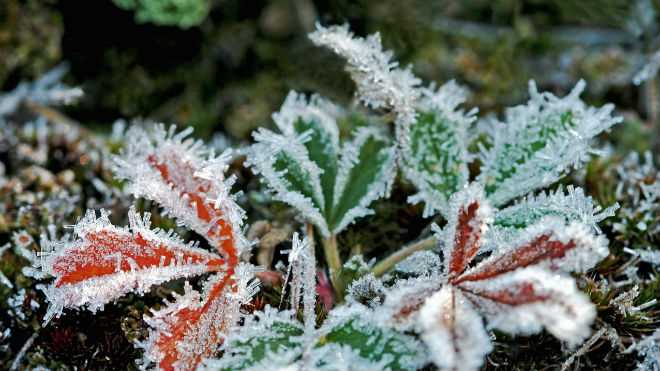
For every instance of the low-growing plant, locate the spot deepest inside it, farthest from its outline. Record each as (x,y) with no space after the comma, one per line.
(509,255)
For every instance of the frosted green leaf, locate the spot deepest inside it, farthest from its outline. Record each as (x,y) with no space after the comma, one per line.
(366,172)
(269,340)
(435,155)
(539,142)
(376,345)
(303,167)
(571,205)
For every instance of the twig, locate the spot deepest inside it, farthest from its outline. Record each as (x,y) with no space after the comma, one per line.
(388,263)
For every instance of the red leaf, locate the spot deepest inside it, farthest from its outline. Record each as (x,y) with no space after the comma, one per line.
(540,249)
(190,328)
(466,240)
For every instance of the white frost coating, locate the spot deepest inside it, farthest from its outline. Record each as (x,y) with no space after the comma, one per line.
(318,110)
(95,292)
(182,153)
(649,256)
(588,251)
(571,205)
(380,188)
(380,81)
(403,300)
(564,147)
(565,311)
(649,70)
(258,328)
(213,171)
(47,90)
(649,348)
(472,193)
(638,190)
(3,279)
(302,270)
(261,158)
(443,102)
(453,331)
(420,263)
(367,290)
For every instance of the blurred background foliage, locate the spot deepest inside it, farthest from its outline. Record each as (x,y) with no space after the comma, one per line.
(223,65)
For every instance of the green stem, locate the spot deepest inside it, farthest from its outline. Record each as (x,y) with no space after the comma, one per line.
(334,264)
(388,263)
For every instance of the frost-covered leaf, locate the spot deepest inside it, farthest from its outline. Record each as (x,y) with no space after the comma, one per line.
(571,205)
(453,331)
(520,288)
(388,349)
(193,326)
(380,81)
(468,218)
(550,243)
(366,172)
(527,300)
(184,178)
(270,339)
(107,262)
(539,142)
(303,166)
(435,157)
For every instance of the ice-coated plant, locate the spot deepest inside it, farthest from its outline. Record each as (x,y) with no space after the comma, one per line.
(535,145)
(305,165)
(502,260)
(103,262)
(348,339)
(521,288)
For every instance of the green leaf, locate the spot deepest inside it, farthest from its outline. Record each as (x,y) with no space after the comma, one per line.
(366,173)
(300,179)
(262,343)
(323,150)
(540,142)
(375,343)
(302,166)
(435,161)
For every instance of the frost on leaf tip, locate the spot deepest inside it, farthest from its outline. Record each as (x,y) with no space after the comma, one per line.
(168,167)
(305,166)
(539,142)
(105,262)
(380,81)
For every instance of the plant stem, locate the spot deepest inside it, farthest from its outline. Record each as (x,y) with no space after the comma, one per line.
(388,263)
(334,264)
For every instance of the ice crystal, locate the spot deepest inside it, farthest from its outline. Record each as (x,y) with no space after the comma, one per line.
(381,83)
(638,190)
(302,270)
(539,142)
(103,262)
(3,279)
(305,166)
(649,348)
(47,90)
(570,205)
(649,70)
(520,288)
